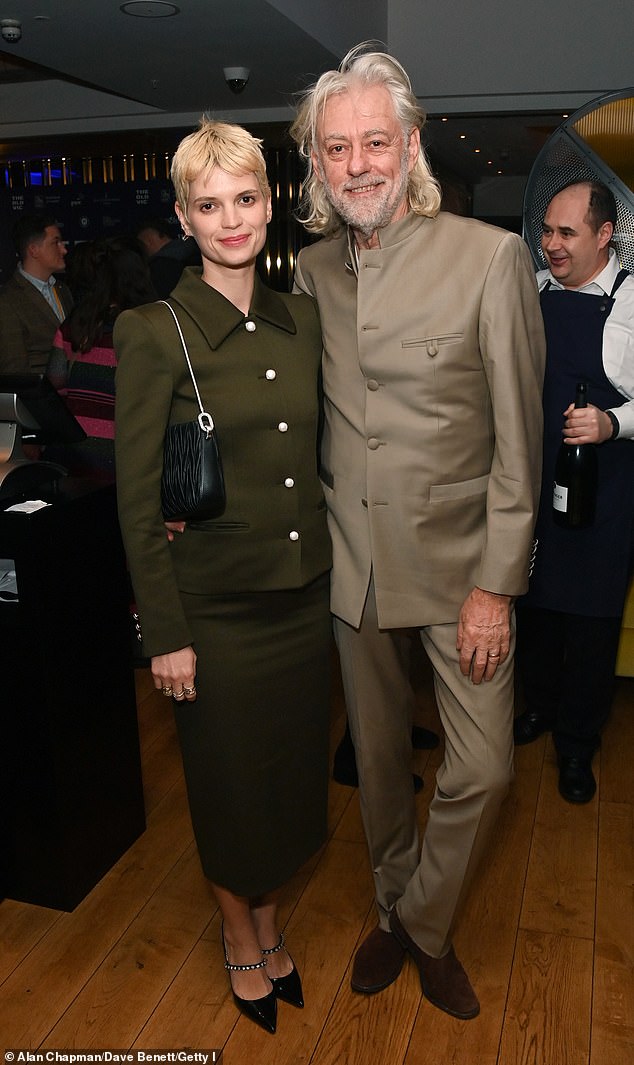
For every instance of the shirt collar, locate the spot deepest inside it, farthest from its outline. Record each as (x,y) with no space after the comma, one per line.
(42,286)
(600,285)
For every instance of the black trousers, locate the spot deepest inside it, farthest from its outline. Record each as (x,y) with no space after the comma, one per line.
(566,666)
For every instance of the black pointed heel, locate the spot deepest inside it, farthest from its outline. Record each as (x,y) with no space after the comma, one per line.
(261,1010)
(289,987)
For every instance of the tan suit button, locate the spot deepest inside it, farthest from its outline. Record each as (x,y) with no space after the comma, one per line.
(373,443)
(372,385)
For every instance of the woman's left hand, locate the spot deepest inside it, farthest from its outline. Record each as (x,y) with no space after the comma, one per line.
(175,674)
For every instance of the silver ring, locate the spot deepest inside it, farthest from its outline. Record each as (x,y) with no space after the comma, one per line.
(179,696)
(189,691)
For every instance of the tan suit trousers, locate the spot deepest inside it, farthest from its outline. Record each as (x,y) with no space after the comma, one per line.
(470,784)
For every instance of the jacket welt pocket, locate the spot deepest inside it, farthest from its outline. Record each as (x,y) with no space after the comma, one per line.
(442,493)
(432,344)
(218,526)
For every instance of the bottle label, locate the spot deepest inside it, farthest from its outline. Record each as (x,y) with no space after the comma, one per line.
(560,497)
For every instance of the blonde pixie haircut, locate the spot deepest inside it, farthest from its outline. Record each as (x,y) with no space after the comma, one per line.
(230,147)
(360,67)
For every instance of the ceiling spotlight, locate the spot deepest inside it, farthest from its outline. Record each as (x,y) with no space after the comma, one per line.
(11,30)
(236,78)
(149,9)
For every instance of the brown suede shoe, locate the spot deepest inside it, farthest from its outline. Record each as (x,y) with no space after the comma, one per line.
(377,962)
(443,980)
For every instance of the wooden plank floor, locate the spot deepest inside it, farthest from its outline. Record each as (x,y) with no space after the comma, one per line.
(547,935)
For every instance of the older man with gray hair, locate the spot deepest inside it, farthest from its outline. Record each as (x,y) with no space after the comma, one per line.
(432,368)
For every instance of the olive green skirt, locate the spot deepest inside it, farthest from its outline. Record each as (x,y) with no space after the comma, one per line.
(255,741)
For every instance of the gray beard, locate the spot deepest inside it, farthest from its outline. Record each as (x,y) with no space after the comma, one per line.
(367,219)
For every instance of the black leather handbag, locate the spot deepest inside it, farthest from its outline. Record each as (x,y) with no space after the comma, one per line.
(192,483)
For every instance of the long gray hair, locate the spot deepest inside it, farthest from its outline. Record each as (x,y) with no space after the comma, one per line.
(362,67)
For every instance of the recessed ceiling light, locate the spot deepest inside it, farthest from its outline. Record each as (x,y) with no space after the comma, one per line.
(149,9)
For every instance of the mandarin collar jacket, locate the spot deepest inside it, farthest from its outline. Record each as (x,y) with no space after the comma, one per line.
(432,368)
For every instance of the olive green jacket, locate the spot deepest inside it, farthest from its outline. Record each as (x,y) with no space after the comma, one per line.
(261,387)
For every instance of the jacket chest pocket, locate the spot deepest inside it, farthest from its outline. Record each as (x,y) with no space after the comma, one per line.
(432,344)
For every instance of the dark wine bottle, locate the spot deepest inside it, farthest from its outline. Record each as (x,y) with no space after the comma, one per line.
(575,487)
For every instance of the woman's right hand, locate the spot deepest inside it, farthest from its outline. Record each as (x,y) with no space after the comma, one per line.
(175,674)
(174,527)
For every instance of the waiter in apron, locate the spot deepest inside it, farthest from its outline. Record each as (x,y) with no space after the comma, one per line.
(569,622)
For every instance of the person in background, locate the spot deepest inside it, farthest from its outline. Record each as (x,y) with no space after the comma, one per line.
(80,268)
(234,611)
(569,623)
(167,256)
(33,302)
(116,279)
(432,375)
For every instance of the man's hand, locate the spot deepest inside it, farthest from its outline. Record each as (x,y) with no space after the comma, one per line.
(484,633)
(586,425)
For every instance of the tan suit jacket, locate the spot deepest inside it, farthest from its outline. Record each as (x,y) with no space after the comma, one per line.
(28,325)
(433,364)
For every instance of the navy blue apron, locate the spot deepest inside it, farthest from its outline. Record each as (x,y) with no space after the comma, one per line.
(582,571)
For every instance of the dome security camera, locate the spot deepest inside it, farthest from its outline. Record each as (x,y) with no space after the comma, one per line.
(236,78)
(11,30)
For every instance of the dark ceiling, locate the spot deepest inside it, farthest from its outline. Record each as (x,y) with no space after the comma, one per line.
(494,78)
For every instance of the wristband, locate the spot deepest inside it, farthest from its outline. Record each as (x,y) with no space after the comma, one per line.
(616,426)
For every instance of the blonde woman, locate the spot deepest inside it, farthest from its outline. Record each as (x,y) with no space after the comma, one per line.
(235,610)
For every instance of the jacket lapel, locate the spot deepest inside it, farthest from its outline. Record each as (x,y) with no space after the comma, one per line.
(197,299)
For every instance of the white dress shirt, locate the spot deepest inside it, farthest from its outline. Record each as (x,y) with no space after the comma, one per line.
(618,335)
